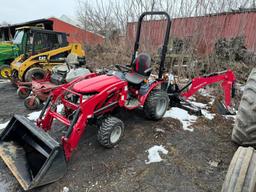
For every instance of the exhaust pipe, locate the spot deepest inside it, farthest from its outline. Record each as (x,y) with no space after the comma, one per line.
(32,155)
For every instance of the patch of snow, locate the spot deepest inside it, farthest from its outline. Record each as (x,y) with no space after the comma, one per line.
(59,108)
(185,118)
(160,130)
(3,125)
(213,163)
(207,114)
(34,115)
(153,154)
(200,105)
(192,98)
(231,117)
(65,189)
(242,88)
(4,81)
(204,92)
(204,110)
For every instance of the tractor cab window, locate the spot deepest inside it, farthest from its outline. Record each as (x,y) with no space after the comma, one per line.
(46,42)
(29,44)
(18,37)
(40,43)
(19,40)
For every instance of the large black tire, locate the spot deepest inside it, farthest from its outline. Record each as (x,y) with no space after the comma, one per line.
(244,131)
(35,72)
(241,175)
(110,132)
(156,104)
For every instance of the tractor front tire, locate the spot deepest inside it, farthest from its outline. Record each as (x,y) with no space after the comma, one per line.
(241,175)
(34,73)
(110,132)
(156,104)
(244,131)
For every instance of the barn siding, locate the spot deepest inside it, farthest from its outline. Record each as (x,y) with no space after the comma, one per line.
(204,30)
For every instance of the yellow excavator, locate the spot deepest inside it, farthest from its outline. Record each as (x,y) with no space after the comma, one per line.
(40,50)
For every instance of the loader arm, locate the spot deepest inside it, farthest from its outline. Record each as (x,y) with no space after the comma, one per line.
(227,78)
(84,110)
(87,110)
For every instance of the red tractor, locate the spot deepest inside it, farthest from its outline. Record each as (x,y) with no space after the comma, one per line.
(35,158)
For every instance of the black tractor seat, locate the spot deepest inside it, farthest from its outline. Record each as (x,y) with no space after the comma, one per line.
(135,78)
(141,69)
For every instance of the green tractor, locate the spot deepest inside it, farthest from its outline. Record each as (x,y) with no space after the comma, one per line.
(8,52)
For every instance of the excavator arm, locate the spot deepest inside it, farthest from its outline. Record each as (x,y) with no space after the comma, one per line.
(227,79)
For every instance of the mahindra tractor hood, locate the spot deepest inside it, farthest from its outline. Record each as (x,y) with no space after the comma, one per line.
(96,84)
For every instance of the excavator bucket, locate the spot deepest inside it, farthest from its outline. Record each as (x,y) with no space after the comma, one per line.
(34,158)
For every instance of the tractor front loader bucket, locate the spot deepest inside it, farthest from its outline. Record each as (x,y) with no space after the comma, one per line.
(34,157)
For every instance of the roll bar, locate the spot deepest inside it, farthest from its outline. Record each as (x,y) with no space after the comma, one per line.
(166,39)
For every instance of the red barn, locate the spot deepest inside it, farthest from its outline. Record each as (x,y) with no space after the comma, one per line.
(76,34)
(204,31)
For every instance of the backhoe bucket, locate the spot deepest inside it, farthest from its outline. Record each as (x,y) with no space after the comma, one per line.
(34,157)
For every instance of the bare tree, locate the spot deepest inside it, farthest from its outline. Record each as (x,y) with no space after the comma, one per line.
(98,17)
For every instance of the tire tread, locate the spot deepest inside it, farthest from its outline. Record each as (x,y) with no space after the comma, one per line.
(149,106)
(244,130)
(105,131)
(241,175)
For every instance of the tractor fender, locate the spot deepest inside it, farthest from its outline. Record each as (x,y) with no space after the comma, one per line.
(152,86)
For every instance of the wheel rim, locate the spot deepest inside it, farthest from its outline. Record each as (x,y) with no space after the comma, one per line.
(115,134)
(5,72)
(160,106)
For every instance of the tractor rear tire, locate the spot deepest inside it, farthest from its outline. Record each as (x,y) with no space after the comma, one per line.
(156,104)
(34,73)
(244,131)
(241,175)
(110,132)
(3,70)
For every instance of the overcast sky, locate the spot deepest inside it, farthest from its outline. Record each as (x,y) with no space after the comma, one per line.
(16,11)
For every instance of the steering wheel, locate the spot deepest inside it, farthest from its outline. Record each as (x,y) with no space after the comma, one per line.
(121,67)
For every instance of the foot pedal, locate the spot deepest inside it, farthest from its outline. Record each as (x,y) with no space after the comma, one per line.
(132,103)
